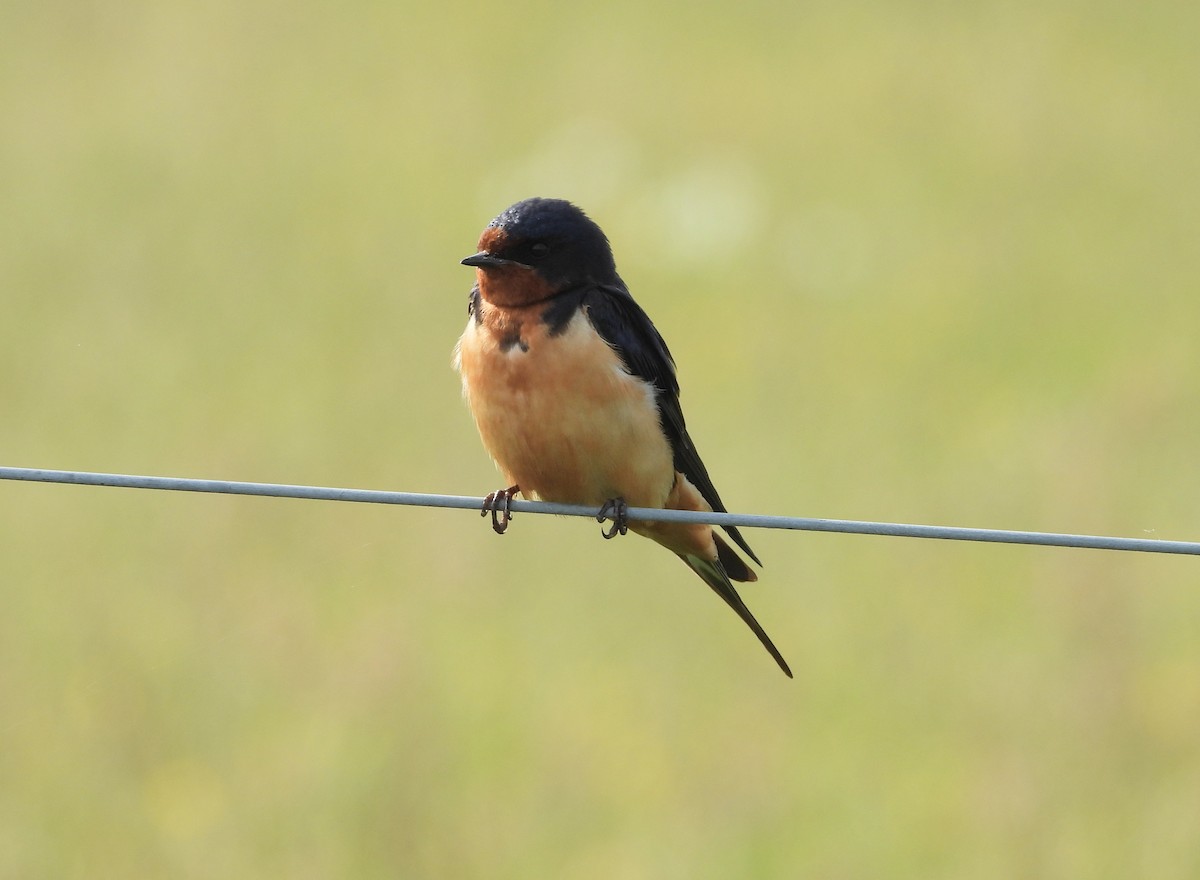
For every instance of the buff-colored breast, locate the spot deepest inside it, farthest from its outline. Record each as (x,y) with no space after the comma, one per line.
(562,418)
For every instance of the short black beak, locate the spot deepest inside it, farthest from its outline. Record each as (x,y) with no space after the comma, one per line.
(483,260)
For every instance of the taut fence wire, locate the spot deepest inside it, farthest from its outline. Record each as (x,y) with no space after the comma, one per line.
(741,520)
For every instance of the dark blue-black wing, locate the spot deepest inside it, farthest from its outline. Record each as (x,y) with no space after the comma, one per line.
(621,323)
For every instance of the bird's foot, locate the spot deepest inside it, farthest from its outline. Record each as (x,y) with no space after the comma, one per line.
(618,511)
(497,504)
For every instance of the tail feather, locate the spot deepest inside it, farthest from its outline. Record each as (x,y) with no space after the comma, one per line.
(735,567)
(738,539)
(714,574)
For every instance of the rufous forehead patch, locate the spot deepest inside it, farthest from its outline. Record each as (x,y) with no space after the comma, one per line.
(493,239)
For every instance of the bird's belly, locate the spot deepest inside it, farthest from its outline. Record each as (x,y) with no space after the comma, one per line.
(563,419)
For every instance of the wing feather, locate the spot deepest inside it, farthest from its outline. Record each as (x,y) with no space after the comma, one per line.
(621,322)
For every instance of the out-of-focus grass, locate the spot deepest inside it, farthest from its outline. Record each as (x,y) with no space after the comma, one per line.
(916,261)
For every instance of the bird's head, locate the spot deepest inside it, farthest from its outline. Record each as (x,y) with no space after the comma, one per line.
(538,248)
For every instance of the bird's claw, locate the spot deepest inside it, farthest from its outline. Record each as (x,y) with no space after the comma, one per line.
(618,511)
(497,504)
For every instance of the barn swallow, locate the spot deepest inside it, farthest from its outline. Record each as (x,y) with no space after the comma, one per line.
(574,391)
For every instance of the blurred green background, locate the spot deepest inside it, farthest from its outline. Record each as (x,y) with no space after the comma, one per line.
(925,262)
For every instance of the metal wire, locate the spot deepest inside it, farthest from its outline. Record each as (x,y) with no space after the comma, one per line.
(374,496)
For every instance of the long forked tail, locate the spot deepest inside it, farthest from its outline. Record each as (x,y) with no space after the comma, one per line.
(714,575)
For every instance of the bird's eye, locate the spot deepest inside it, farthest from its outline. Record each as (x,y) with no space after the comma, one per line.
(539,249)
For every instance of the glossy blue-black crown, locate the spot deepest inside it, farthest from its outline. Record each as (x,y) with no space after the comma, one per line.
(558,239)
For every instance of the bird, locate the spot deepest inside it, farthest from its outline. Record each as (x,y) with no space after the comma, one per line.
(575,395)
